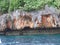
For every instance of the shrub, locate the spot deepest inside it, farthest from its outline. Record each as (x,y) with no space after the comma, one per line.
(57,3)
(33,4)
(4,6)
(14,4)
(28,5)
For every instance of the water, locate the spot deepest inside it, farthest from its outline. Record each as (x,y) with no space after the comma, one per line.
(31,40)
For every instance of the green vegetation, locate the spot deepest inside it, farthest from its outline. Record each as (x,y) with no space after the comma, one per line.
(28,5)
(4,5)
(57,3)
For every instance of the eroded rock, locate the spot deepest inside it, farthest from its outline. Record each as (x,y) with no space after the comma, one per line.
(20,19)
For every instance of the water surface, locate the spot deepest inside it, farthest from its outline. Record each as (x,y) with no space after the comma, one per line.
(31,40)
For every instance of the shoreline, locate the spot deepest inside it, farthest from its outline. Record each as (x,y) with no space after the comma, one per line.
(31,31)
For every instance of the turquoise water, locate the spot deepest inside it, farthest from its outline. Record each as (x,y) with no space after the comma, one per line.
(31,40)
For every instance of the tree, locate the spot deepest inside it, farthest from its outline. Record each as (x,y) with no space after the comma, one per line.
(4,6)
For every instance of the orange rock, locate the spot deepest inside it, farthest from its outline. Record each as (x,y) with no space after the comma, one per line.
(31,24)
(47,20)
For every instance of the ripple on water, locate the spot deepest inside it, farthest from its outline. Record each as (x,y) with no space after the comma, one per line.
(30,40)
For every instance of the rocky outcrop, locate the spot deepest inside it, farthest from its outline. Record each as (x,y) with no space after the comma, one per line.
(20,19)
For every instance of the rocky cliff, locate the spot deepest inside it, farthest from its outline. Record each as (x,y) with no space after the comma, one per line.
(49,17)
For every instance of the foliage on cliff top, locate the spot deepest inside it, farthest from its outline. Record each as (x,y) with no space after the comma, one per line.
(28,5)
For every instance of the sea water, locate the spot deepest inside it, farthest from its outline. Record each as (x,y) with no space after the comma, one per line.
(42,39)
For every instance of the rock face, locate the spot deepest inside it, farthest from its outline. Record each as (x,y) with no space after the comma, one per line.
(20,19)
(48,21)
(23,21)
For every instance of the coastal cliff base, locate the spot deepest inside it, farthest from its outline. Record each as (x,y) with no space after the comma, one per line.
(29,31)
